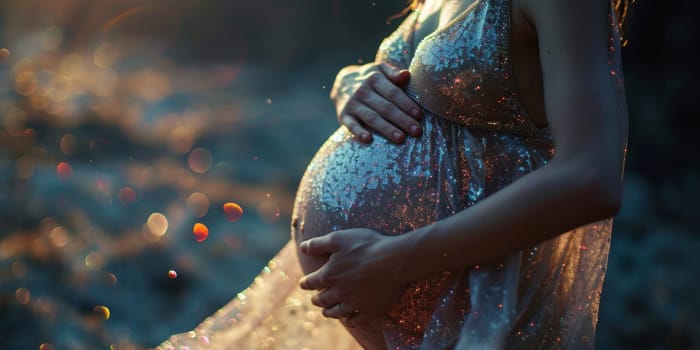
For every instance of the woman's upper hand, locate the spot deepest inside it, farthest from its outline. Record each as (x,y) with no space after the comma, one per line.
(360,282)
(369,97)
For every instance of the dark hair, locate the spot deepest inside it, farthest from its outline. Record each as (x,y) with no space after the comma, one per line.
(621,8)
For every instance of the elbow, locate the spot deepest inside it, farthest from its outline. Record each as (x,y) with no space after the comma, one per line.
(608,200)
(595,185)
(603,195)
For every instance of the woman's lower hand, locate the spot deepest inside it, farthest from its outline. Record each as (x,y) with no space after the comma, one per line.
(369,97)
(361,280)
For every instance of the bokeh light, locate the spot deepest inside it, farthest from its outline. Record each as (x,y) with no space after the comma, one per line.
(4,55)
(23,295)
(59,236)
(200,232)
(181,140)
(200,160)
(94,261)
(60,88)
(64,171)
(52,38)
(198,204)
(102,312)
(26,83)
(127,195)
(233,211)
(172,274)
(107,55)
(25,166)
(110,278)
(150,85)
(157,224)
(68,144)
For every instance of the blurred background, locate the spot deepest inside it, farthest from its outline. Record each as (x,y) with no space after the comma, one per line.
(125,123)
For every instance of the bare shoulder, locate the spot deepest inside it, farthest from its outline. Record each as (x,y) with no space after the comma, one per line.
(571,18)
(558,9)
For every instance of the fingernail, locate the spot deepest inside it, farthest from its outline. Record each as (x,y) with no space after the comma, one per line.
(303,246)
(364,136)
(397,135)
(414,129)
(414,112)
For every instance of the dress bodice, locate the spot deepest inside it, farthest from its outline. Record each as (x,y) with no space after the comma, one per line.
(463,71)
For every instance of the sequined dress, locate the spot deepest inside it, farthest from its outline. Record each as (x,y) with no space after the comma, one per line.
(477,138)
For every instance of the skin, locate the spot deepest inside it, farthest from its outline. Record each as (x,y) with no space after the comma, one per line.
(565,42)
(369,97)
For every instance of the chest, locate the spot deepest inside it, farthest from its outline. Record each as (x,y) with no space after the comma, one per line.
(460,60)
(435,15)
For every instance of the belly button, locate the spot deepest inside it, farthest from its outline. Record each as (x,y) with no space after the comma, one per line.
(297,226)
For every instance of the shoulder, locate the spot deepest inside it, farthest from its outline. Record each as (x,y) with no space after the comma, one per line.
(565,15)
(573,31)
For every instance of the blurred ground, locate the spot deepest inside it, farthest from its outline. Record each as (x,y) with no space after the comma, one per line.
(124,123)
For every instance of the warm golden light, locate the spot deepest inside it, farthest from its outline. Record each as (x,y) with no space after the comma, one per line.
(59,236)
(60,88)
(26,83)
(106,55)
(233,211)
(158,224)
(52,38)
(102,311)
(149,84)
(94,261)
(4,55)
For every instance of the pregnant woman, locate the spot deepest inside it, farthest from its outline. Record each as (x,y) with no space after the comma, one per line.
(466,202)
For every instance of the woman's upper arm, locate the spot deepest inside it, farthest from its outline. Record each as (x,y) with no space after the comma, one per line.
(581,95)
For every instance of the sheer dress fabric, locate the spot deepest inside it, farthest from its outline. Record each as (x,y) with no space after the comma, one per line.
(477,138)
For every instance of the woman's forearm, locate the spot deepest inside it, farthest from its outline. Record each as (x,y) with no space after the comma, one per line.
(545,203)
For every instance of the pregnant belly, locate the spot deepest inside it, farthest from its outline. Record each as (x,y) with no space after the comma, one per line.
(381,186)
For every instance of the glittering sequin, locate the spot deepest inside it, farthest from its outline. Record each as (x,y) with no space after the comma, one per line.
(477,138)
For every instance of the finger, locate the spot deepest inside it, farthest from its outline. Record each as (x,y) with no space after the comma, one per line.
(325,299)
(399,98)
(323,245)
(316,246)
(313,281)
(384,106)
(356,128)
(396,75)
(377,122)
